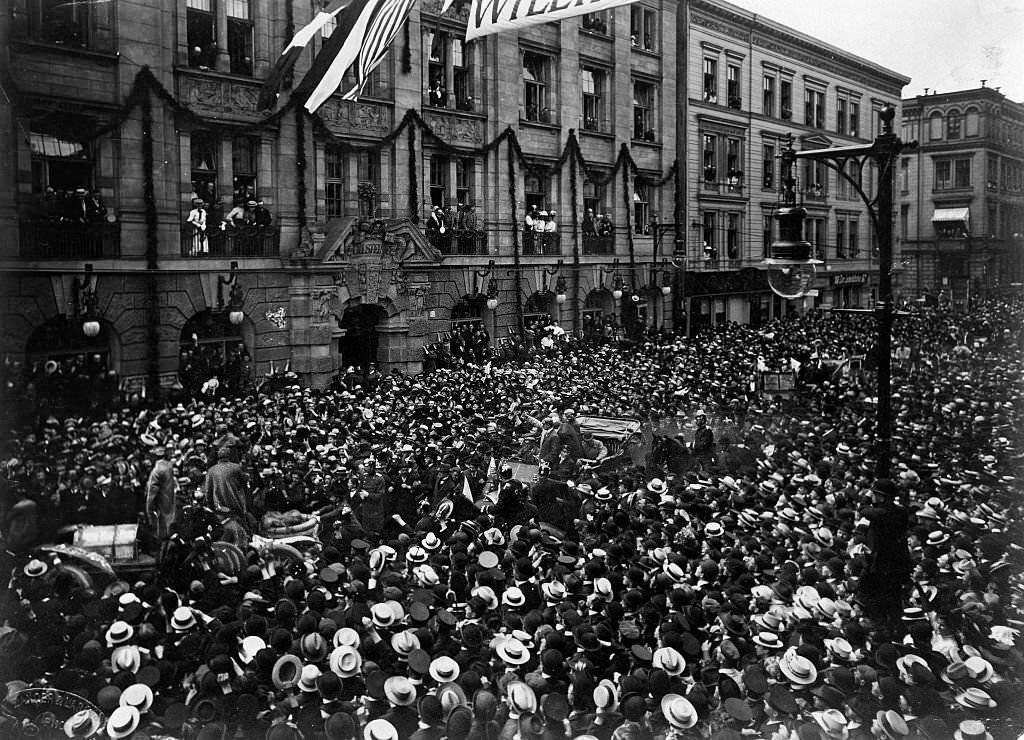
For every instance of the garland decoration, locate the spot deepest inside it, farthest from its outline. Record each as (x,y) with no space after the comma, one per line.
(152,250)
(414,197)
(574,144)
(510,158)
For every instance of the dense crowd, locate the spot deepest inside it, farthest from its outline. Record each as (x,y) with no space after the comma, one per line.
(733,595)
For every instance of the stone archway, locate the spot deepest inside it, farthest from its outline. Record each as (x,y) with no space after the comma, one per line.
(360,342)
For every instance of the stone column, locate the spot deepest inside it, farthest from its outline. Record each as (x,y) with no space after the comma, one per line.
(393,348)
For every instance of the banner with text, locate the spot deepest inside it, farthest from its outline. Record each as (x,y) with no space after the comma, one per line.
(493,16)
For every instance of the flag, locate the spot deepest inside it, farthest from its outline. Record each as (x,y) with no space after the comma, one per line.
(447,4)
(286,62)
(466,490)
(494,16)
(337,54)
(383,28)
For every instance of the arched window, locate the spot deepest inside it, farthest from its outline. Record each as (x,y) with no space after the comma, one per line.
(953,128)
(973,122)
(935,126)
(61,339)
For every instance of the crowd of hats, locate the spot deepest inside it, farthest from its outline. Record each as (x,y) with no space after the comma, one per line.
(718,603)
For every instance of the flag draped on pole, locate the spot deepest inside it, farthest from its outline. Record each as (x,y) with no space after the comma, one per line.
(286,62)
(467,492)
(337,54)
(381,31)
(494,16)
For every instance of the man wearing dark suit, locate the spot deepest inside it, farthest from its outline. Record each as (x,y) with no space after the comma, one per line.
(550,442)
(703,442)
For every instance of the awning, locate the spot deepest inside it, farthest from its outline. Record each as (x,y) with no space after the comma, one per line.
(952,215)
(50,146)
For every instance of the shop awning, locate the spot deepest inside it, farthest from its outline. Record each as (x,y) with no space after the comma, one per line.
(952,215)
(51,146)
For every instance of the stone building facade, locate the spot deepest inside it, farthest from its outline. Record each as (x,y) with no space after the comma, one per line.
(960,222)
(751,84)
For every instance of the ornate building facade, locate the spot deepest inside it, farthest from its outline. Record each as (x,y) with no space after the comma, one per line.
(146,198)
(753,87)
(961,196)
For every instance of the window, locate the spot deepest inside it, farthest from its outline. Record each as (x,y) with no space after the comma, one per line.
(815,179)
(814,108)
(643,28)
(643,110)
(596,22)
(943,175)
(842,186)
(734,163)
(767,234)
(709,234)
(535,191)
(593,197)
(239,37)
(368,173)
(592,84)
(768,96)
(58,163)
(732,235)
(854,239)
(449,76)
(992,169)
(904,221)
(62,22)
(841,238)
(905,175)
(732,86)
(935,126)
(244,150)
(816,233)
(785,99)
(993,220)
(962,173)
(464,181)
(710,80)
(438,181)
(641,208)
(972,123)
(334,181)
(537,87)
(854,127)
(201,26)
(841,116)
(768,167)
(204,146)
(953,128)
(710,158)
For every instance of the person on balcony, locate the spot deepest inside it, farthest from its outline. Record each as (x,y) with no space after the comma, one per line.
(551,225)
(95,211)
(236,216)
(605,227)
(540,225)
(74,206)
(532,216)
(262,218)
(49,207)
(589,225)
(197,220)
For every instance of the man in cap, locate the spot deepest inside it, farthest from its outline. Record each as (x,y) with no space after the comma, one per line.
(161,492)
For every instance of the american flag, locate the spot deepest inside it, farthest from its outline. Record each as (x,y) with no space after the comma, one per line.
(384,25)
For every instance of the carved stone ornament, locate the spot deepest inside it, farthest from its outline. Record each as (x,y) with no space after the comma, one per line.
(456,129)
(358,118)
(277,317)
(222,96)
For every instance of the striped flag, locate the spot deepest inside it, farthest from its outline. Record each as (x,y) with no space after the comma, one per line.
(337,55)
(383,27)
(286,62)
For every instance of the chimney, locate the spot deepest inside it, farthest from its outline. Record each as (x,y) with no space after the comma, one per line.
(983,83)
(926,92)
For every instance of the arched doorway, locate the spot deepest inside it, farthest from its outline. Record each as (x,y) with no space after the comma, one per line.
(211,346)
(73,373)
(359,345)
(598,310)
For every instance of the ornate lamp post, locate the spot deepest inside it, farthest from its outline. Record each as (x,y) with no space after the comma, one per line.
(87,302)
(883,152)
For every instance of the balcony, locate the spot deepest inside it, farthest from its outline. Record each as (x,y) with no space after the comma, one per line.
(458,241)
(735,102)
(815,192)
(231,242)
(598,243)
(548,243)
(69,240)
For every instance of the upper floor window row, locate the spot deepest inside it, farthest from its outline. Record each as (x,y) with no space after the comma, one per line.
(954,124)
(72,24)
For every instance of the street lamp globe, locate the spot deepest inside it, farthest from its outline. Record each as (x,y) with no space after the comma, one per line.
(91,328)
(617,294)
(236,317)
(492,303)
(666,290)
(560,298)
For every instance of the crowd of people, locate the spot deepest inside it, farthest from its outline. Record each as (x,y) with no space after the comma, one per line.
(211,221)
(71,206)
(456,229)
(737,596)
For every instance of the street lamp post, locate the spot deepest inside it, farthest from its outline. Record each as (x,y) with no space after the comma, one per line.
(884,152)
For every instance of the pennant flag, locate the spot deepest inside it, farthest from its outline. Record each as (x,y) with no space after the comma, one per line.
(493,16)
(466,490)
(383,28)
(286,62)
(337,54)
(447,4)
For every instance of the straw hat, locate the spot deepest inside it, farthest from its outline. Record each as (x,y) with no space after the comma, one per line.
(512,651)
(83,724)
(679,711)
(345,661)
(400,691)
(123,721)
(286,672)
(972,729)
(444,669)
(798,669)
(669,660)
(380,729)
(137,695)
